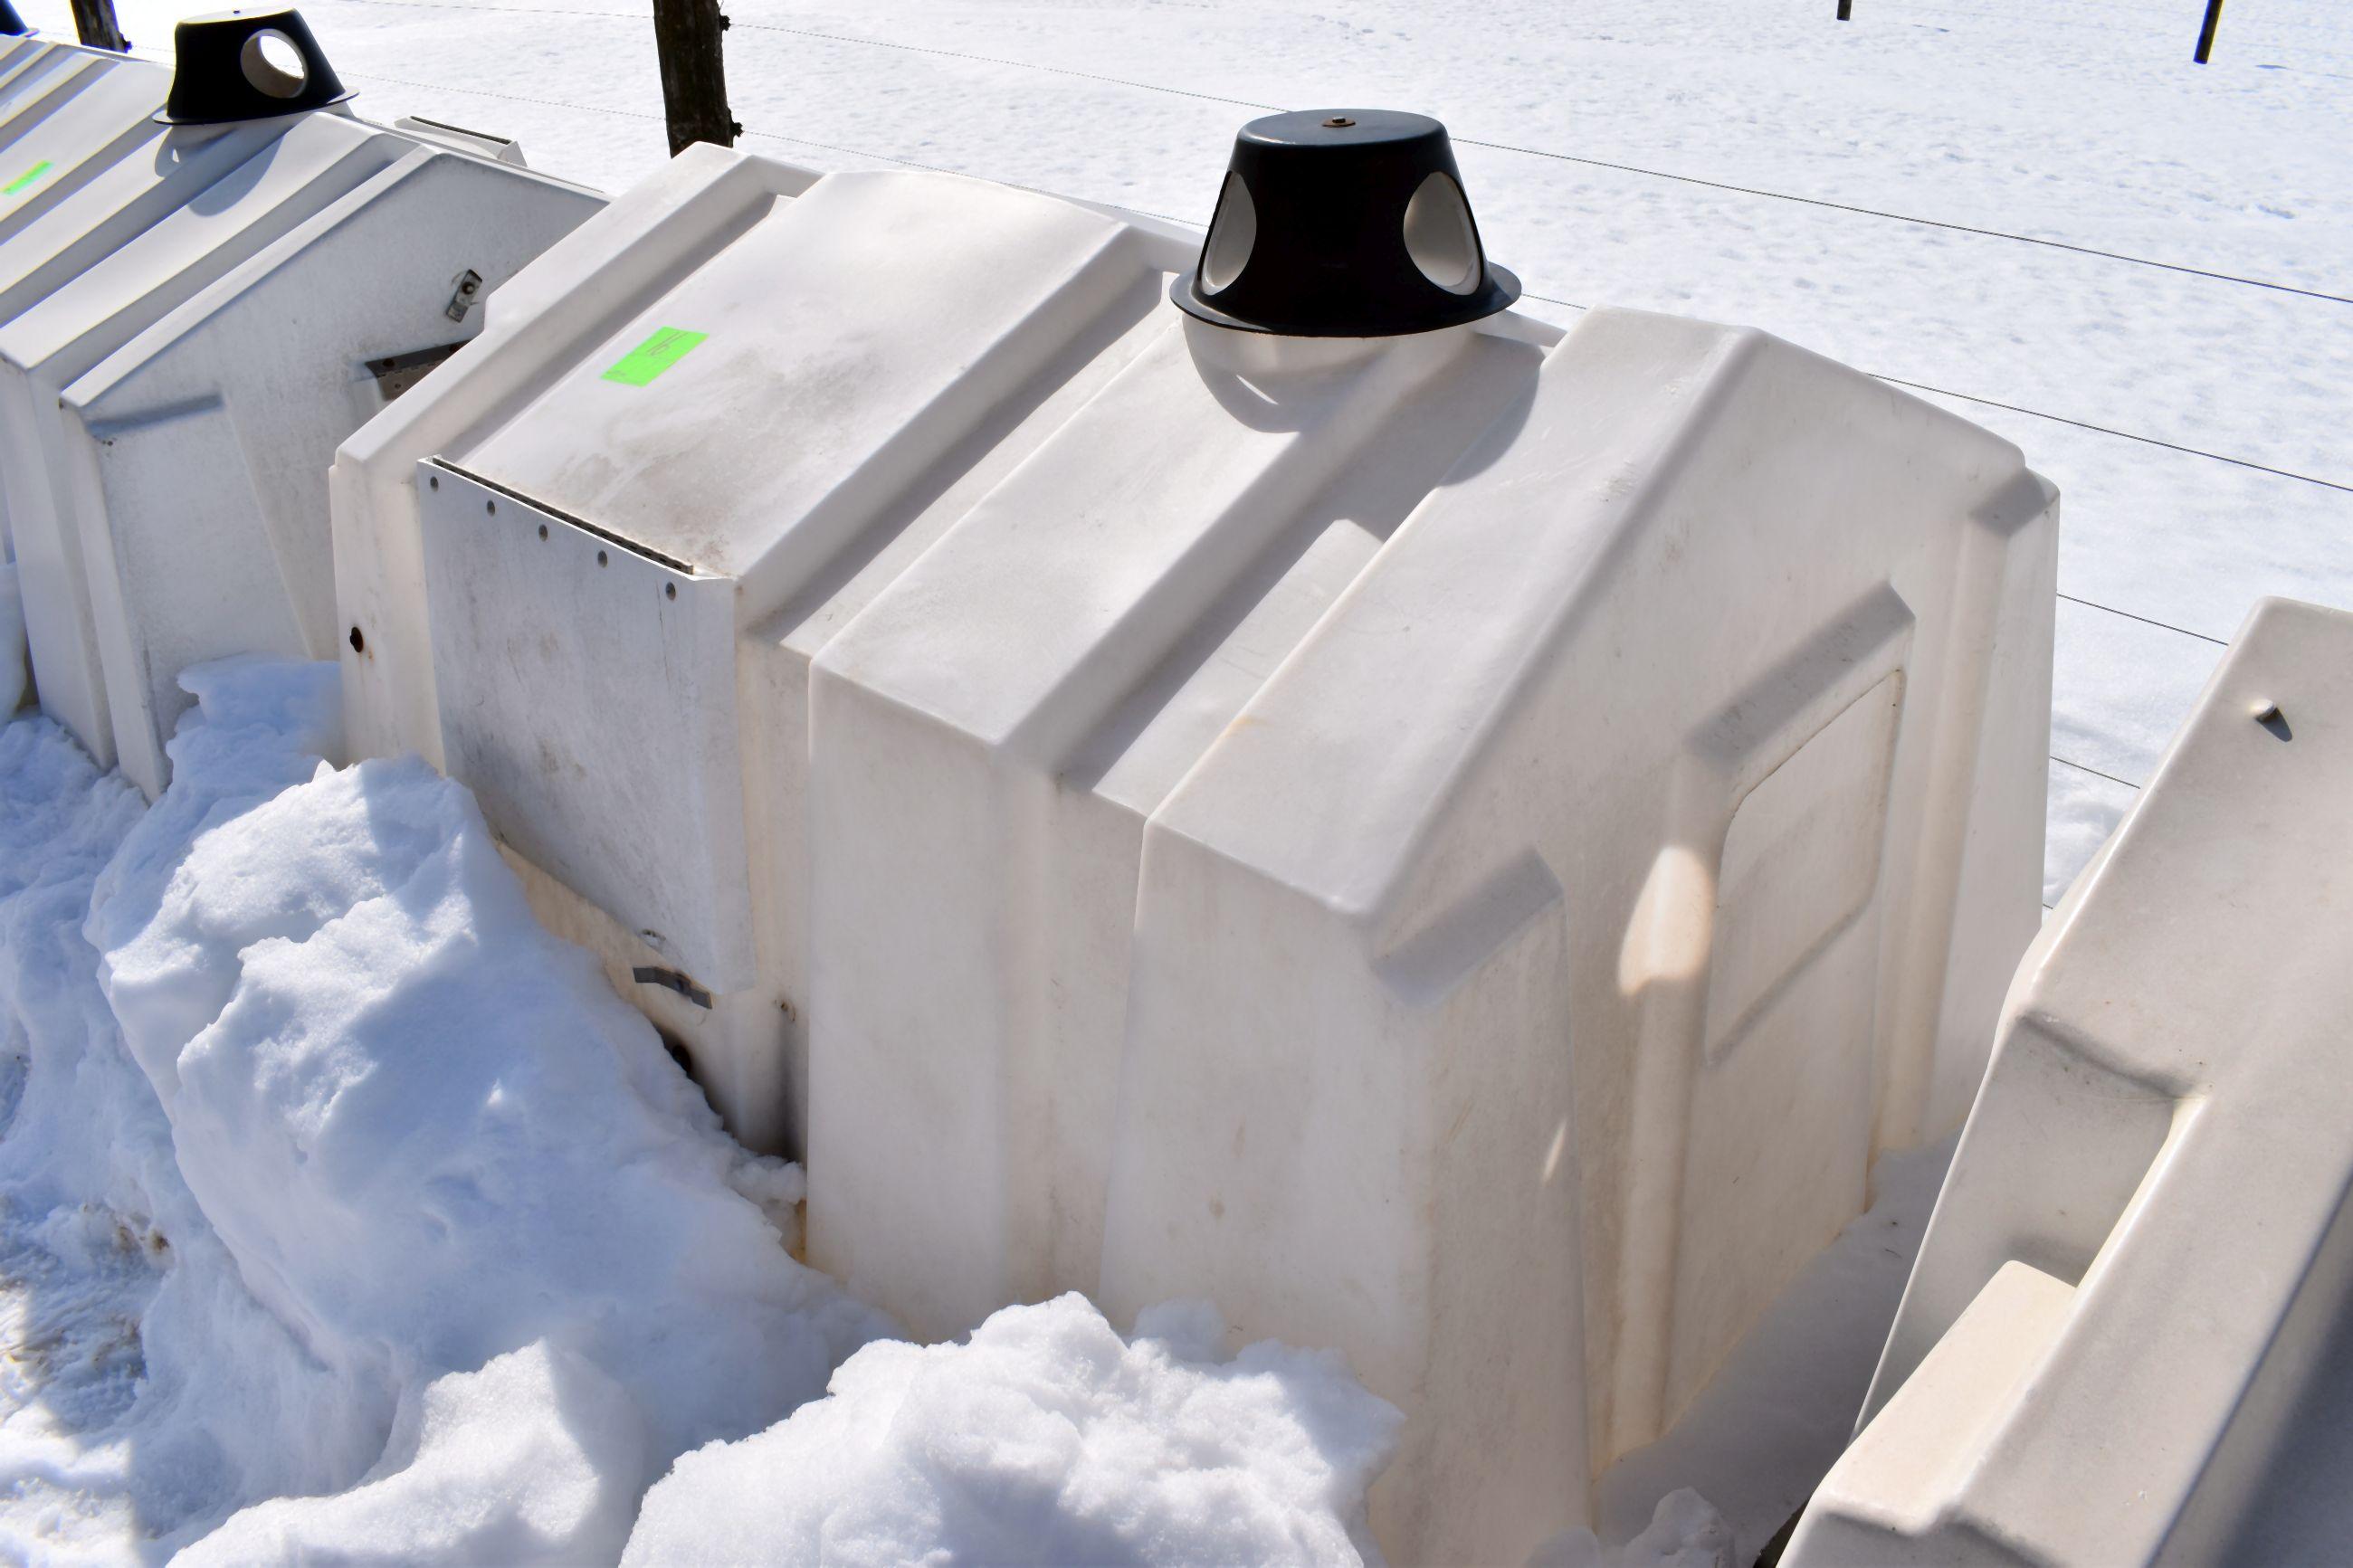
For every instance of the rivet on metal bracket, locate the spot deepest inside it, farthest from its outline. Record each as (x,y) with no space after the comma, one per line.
(462,297)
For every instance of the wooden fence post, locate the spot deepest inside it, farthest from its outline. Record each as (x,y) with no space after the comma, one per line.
(94,21)
(2206,32)
(693,73)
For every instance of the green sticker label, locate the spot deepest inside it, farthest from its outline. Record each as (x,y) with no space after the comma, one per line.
(656,354)
(25,180)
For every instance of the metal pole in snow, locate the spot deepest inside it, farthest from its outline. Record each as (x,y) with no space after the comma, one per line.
(693,73)
(94,21)
(2206,32)
(1846,10)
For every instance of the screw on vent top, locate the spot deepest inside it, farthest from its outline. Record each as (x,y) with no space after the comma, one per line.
(247,65)
(1344,223)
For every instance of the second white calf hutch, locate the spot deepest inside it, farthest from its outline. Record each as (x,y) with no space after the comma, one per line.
(173,385)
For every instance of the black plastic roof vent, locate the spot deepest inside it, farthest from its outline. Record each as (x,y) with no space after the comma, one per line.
(1344,223)
(247,65)
(12,26)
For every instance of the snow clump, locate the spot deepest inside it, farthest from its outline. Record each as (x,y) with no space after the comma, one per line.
(1047,1439)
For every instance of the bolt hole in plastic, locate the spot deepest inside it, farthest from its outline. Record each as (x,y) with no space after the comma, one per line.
(359,643)
(1233,231)
(669,590)
(434,480)
(542,530)
(273,64)
(1439,236)
(600,558)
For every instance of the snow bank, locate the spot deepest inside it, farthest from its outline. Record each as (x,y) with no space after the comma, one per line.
(1045,1439)
(346,1215)
(529,1460)
(329,1166)
(428,1131)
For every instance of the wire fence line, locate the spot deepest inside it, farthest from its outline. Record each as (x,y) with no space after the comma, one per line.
(987,60)
(1760,192)
(2146,620)
(2248,463)
(2092,251)
(508,97)
(2095,773)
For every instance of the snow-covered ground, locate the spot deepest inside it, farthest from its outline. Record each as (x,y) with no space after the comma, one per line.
(344,1214)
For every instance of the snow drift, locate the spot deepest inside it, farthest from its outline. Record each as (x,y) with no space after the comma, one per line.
(385,1152)
(1045,1439)
(428,1131)
(345,1214)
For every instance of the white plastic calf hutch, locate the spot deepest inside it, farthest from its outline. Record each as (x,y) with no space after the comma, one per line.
(1456,841)
(171,407)
(2126,1339)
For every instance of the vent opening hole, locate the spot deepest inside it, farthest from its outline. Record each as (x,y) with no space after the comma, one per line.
(1233,233)
(273,64)
(1440,237)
